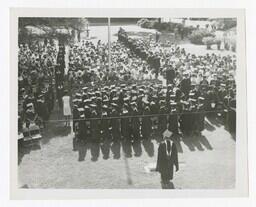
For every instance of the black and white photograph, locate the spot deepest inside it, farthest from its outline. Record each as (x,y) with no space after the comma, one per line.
(127,102)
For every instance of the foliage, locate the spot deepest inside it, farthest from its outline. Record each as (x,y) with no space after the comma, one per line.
(73,23)
(211,41)
(146,23)
(30,26)
(197,36)
(165,26)
(226,23)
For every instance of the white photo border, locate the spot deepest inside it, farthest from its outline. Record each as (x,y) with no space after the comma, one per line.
(241,187)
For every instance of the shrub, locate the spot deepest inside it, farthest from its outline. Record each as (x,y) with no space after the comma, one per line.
(197,36)
(143,23)
(166,26)
(146,23)
(188,30)
(227,23)
(161,26)
(209,40)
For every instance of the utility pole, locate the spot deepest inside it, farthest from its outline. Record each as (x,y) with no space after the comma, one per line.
(109,45)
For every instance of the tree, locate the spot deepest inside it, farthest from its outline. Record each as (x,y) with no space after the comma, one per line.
(53,26)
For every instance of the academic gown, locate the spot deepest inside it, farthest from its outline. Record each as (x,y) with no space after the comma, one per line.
(167,158)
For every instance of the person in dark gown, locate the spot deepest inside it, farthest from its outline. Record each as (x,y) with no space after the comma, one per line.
(167,158)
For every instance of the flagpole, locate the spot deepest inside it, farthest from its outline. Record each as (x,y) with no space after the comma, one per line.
(109,45)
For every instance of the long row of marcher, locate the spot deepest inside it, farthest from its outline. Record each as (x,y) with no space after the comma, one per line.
(134,111)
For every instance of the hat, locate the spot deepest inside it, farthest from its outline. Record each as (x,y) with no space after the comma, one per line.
(124,111)
(114,105)
(155,97)
(192,99)
(173,110)
(94,112)
(172,103)
(162,107)
(29,105)
(80,109)
(133,104)
(152,103)
(87,100)
(161,102)
(93,98)
(147,108)
(99,99)
(134,98)
(145,101)
(185,103)
(40,100)
(141,90)
(105,87)
(81,116)
(115,99)
(78,95)
(97,93)
(104,113)
(133,92)
(104,106)
(86,107)
(93,105)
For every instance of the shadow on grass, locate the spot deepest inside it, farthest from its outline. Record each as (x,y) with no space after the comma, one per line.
(214,120)
(208,126)
(24,149)
(148,147)
(199,142)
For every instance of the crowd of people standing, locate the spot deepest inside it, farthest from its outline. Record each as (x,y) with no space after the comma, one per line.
(197,86)
(126,99)
(40,70)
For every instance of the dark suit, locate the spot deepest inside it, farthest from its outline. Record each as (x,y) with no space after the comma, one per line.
(167,157)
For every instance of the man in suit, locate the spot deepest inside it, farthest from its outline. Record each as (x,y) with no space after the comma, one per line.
(167,158)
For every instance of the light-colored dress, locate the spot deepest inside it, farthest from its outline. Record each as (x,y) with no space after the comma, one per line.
(66,106)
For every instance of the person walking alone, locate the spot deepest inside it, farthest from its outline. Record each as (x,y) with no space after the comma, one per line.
(167,158)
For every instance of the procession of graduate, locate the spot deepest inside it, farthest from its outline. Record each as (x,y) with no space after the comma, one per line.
(130,90)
